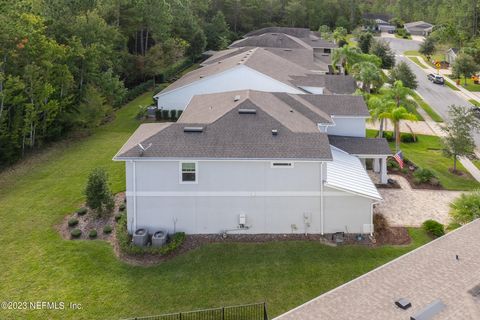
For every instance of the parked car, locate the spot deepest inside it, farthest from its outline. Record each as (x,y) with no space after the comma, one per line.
(435,78)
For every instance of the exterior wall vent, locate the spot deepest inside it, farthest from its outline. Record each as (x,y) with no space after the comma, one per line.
(247,111)
(193,129)
(274,132)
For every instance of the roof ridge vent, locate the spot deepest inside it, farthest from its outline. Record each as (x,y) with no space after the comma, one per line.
(247,111)
(193,129)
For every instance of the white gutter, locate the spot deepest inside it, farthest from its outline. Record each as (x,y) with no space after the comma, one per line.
(134,198)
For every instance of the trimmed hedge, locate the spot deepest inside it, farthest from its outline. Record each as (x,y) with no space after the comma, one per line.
(434,228)
(126,246)
(82,211)
(107,229)
(138,90)
(408,138)
(92,234)
(72,222)
(76,233)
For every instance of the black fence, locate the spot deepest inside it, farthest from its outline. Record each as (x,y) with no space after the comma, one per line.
(257,311)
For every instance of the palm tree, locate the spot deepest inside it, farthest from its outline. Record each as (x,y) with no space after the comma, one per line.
(367,73)
(378,106)
(347,56)
(396,115)
(399,93)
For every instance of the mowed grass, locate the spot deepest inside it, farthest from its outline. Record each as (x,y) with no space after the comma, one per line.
(38,265)
(417,61)
(426,107)
(427,153)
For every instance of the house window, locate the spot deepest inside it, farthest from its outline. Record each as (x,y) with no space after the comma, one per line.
(281,164)
(327,50)
(188,172)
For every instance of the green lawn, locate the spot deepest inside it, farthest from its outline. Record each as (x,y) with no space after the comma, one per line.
(400,37)
(411,53)
(435,116)
(470,86)
(427,153)
(474,102)
(451,86)
(418,62)
(37,265)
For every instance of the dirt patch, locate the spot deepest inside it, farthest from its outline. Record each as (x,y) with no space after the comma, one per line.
(393,236)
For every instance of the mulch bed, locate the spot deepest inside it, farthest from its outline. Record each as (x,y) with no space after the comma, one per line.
(392,184)
(408,174)
(89,221)
(393,236)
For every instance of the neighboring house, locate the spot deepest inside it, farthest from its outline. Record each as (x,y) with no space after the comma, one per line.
(256,69)
(293,39)
(451,55)
(418,28)
(378,22)
(441,281)
(255,162)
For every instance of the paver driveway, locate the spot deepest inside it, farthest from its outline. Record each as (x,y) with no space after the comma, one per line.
(411,207)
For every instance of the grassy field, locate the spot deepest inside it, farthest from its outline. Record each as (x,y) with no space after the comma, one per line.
(417,61)
(427,153)
(470,86)
(451,86)
(37,265)
(435,116)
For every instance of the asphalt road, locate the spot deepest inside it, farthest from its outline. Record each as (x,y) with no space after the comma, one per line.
(437,96)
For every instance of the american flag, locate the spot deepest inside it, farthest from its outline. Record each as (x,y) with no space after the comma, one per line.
(399,158)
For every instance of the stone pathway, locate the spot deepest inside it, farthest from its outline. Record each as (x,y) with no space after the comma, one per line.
(411,207)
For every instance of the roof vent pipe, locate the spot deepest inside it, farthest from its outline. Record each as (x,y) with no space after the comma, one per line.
(274,132)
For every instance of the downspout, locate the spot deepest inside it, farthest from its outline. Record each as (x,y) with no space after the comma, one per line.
(371,218)
(134,198)
(321,199)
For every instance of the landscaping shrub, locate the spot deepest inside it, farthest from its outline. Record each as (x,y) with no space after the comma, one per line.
(173,115)
(422,175)
(142,113)
(107,229)
(126,246)
(453,225)
(118,216)
(434,228)
(75,233)
(82,211)
(393,165)
(72,222)
(122,207)
(138,90)
(92,234)
(408,138)
(388,135)
(465,208)
(380,223)
(165,114)
(179,113)
(97,191)
(158,115)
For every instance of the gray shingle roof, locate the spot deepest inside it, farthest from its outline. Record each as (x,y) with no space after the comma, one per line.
(339,105)
(361,146)
(236,136)
(422,276)
(296,32)
(270,40)
(338,84)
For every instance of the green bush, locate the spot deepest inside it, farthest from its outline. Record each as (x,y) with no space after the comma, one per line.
(138,90)
(408,138)
(388,135)
(466,208)
(165,114)
(179,113)
(422,175)
(97,191)
(122,207)
(92,234)
(118,216)
(82,211)
(72,222)
(107,229)
(173,115)
(453,225)
(158,115)
(142,113)
(126,246)
(434,228)
(75,233)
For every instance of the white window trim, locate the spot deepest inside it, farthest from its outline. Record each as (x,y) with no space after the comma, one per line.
(290,166)
(180,172)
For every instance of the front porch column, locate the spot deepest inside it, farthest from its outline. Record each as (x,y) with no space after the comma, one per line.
(376,165)
(383,171)
(364,163)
